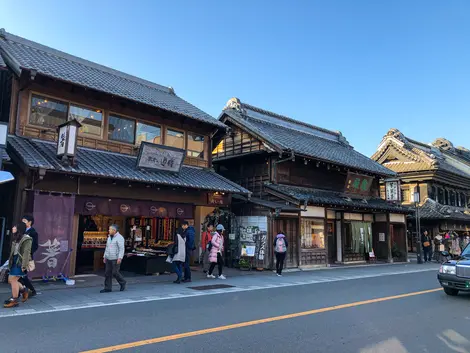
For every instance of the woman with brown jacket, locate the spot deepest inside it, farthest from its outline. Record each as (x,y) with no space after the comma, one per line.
(20,256)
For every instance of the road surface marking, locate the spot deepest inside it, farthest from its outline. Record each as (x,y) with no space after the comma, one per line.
(254,322)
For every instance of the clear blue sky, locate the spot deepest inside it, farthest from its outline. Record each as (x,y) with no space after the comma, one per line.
(360,67)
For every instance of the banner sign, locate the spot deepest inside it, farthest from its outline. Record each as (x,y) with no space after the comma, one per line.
(53,220)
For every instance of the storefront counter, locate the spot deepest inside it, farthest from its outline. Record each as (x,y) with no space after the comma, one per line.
(146,265)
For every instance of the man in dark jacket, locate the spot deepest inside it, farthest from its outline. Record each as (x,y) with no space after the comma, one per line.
(189,234)
(29,221)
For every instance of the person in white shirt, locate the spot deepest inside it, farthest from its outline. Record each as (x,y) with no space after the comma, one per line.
(112,258)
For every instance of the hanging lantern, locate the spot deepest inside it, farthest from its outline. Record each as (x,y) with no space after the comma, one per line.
(67,141)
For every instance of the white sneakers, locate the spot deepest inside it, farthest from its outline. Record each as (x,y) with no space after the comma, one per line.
(278,275)
(220,277)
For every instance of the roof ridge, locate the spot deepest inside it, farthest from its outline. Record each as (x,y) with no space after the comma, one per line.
(297,131)
(63,55)
(286,118)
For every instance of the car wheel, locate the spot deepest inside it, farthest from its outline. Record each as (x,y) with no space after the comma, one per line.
(451,291)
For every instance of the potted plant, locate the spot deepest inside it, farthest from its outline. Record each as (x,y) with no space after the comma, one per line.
(244,264)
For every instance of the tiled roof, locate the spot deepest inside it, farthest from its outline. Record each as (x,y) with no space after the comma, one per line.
(304,139)
(2,63)
(433,210)
(333,198)
(102,164)
(418,156)
(62,66)
(268,204)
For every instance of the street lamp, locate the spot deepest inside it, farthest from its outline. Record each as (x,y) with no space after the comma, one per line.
(418,227)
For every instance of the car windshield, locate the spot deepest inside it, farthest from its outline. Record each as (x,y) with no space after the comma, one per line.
(466,252)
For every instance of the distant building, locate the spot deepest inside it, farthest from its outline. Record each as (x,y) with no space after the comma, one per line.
(440,173)
(309,183)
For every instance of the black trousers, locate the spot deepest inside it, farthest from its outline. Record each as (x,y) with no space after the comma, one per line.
(112,270)
(220,264)
(280,257)
(427,253)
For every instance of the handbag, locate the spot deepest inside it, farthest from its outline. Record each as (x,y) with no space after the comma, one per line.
(31,266)
(426,244)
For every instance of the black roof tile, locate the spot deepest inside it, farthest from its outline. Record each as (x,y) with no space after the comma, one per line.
(101,164)
(433,210)
(290,135)
(334,198)
(62,66)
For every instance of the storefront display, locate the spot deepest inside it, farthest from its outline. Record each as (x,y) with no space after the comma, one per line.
(313,234)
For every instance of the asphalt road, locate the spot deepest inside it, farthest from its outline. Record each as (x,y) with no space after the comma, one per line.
(428,322)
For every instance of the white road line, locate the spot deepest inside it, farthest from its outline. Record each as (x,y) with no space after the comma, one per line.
(62,308)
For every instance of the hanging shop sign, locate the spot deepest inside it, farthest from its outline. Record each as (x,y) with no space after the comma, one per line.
(217,199)
(392,190)
(159,157)
(358,184)
(89,205)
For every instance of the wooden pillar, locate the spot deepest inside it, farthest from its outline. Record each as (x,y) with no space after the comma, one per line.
(299,241)
(389,240)
(406,240)
(73,245)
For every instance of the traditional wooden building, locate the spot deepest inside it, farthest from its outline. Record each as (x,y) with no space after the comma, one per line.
(140,156)
(310,183)
(440,173)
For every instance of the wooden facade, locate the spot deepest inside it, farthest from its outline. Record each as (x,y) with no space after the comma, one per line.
(249,159)
(439,172)
(43,88)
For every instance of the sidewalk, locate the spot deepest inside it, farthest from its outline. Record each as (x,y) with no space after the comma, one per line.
(59,297)
(97,280)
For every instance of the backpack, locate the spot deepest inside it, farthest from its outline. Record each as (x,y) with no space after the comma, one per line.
(280,245)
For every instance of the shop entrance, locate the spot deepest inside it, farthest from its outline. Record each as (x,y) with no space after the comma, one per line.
(145,239)
(290,227)
(357,241)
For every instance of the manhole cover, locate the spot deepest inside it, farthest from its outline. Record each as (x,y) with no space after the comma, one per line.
(214,286)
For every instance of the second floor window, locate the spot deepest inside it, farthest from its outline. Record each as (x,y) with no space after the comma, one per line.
(47,112)
(148,133)
(174,138)
(90,119)
(195,146)
(121,129)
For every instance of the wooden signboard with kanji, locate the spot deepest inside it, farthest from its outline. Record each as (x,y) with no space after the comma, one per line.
(358,184)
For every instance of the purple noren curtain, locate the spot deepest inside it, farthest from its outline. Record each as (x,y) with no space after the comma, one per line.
(53,217)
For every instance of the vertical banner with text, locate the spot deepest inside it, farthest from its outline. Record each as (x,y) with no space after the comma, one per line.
(53,217)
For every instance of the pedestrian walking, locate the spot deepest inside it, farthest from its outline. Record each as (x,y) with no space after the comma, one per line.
(205,240)
(113,255)
(179,256)
(20,255)
(189,235)
(28,220)
(280,250)
(215,252)
(427,246)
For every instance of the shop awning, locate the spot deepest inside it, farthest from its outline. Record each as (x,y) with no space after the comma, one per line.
(334,199)
(39,154)
(268,204)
